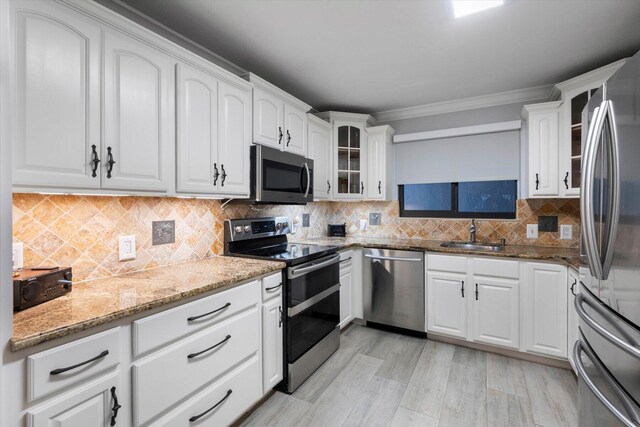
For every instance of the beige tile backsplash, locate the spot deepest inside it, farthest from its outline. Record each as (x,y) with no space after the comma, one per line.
(82,231)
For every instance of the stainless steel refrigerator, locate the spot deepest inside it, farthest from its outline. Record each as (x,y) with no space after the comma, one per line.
(607,353)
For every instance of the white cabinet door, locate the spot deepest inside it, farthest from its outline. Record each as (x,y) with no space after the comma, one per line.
(272,356)
(346,288)
(545,305)
(90,406)
(496,313)
(137,82)
(295,123)
(446,303)
(544,153)
(376,166)
(234,139)
(573,287)
(57,81)
(320,153)
(196,130)
(268,119)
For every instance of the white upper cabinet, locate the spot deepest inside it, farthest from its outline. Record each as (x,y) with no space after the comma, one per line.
(543,149)
(57,83)
(320,152)
(137,149)
(279,119)
(234,139)
(196,130)
(379,157)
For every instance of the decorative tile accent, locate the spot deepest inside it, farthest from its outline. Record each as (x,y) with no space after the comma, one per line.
(82,231)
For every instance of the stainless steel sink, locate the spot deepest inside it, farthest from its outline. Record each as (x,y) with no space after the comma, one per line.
(471,246)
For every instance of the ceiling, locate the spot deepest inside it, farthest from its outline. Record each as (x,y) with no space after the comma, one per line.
(372,56)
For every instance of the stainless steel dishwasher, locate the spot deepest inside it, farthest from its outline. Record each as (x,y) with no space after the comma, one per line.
(393,285)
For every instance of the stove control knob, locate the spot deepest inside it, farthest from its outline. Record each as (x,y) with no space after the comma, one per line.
(285,225)
(279,226)
(238,229)
(247,228)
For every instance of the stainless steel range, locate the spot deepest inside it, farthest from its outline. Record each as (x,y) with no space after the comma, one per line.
(311,291)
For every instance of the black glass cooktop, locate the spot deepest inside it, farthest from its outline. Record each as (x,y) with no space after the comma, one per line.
(291,253)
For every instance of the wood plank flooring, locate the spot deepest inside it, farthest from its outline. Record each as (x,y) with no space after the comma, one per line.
(380,378)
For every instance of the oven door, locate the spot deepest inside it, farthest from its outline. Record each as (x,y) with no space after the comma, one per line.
(279,177)
(313,304)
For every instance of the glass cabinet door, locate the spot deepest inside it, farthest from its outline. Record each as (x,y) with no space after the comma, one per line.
(349,156)
(571,180)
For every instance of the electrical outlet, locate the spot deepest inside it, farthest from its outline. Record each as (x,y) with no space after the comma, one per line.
(374,218)
(566,232)
(532,231)
(18,255)
(127,248)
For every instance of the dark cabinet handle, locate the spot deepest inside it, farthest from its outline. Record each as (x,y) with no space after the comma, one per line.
(95,160)
(86,362)
(197,417)
(462,289)
(379,187)
(110,162)
(288,137)
(192,355)
(573,285)
(566,180)
(476,292)
(116,406)
(537,182)
(361,187)
(280,321)
(328,186)
(216,174)
(279,135)
(273,287)
(224,175)
(191,319)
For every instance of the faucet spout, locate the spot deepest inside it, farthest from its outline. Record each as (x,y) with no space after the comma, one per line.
(472,231)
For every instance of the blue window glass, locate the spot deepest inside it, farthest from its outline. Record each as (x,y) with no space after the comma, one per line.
(427,197)
(487,196)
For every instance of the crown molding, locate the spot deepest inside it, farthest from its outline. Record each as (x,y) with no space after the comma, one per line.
(332,116)
(501,98)
(261,83)
(461,131)
(599,75)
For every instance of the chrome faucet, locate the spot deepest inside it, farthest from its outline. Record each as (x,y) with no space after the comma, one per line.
(472,231)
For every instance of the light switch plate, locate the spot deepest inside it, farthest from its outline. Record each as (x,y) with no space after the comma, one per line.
(127,248)
(305,220)
(532,231)
(566,232)
(18,255)
(363,224)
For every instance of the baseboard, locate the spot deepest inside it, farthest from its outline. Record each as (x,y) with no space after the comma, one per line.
(251,410)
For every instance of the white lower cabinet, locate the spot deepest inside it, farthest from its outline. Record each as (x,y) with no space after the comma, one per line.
(90,406)
(447,303)
(496,314)
(545,309)
(573,287)
(272,343)
(346,288)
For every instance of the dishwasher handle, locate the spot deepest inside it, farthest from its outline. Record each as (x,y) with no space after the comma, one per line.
(391,258)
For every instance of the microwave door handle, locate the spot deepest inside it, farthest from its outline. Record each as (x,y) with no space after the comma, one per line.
(306,167)
(586,192)
(613,181)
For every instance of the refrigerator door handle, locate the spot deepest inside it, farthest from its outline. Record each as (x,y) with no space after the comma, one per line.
(631,349)
(613,203)
(627,401)
(586,192)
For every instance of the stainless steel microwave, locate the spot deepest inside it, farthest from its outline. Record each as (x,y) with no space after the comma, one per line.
(280,178)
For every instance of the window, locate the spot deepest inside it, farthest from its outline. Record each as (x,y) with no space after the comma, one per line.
(481,199)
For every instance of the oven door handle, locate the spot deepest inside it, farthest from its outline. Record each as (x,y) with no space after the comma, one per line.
(391,258)
(297,272)
(292,311)
(627,402)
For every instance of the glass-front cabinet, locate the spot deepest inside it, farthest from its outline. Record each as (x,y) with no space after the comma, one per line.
(350,151)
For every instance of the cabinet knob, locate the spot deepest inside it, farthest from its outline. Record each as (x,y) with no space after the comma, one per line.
(279,135)
(361,187)
(216,174)
(566,181)
(110,162)
(95,161)
(537,182)
(328,186)
(224,175)
(288,137)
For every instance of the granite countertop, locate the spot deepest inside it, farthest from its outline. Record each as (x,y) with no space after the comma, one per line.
(570,256)
(101,301)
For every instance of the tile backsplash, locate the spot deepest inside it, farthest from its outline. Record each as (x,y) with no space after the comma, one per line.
(82,231)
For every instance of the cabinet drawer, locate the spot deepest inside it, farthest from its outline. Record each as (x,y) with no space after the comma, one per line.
(272,286)
(167,377)
(154,331)
(496,268)
(101,351)
(233,395)
(454,264)
(346,256)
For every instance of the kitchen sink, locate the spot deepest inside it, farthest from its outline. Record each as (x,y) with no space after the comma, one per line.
(472,246)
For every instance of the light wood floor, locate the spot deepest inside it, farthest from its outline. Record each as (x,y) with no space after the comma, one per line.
(380,378)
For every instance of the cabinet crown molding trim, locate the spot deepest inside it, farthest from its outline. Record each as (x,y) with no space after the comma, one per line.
(542,106)
(275,90)
(318,121)
(602,73)
(461,131)
(330,116)
(483,101)
(382,129)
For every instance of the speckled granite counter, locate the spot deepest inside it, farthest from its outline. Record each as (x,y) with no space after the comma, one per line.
(569,256)
(97,302)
